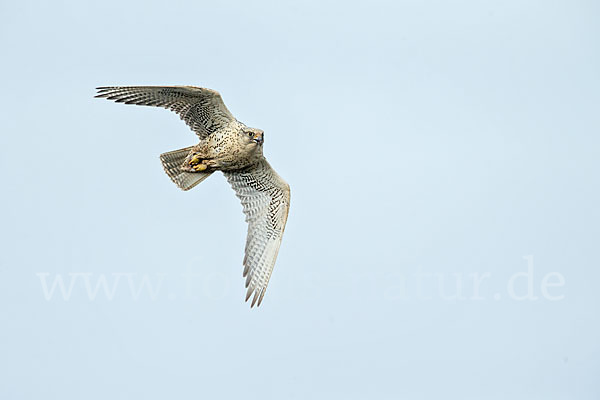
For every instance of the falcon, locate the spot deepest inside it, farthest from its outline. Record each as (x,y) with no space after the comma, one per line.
(229,146)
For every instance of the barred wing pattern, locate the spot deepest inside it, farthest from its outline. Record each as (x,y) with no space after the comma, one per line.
(265,200)
(202,109)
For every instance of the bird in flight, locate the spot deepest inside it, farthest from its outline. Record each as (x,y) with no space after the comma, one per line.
(231,147)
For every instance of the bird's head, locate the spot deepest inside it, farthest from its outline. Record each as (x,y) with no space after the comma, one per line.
(255,137)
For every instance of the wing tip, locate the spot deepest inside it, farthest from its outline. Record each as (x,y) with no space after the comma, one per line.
(257,298)
(103,91)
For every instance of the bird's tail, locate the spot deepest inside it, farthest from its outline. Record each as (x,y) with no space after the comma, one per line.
(172,162)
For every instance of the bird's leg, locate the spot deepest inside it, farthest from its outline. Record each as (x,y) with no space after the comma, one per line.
(196,162)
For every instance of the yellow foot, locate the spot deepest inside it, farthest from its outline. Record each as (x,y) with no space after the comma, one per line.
(197,163)
(195,160)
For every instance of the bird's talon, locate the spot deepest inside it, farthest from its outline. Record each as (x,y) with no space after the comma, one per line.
(195,160)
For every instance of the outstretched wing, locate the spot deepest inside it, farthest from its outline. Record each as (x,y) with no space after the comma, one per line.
(202,109)
(265,199)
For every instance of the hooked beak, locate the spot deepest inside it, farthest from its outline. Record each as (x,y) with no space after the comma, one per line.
(258,138)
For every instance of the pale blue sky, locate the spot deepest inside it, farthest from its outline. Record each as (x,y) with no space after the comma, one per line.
(443,160)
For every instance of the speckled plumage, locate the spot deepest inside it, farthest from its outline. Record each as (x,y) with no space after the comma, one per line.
(229,146)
